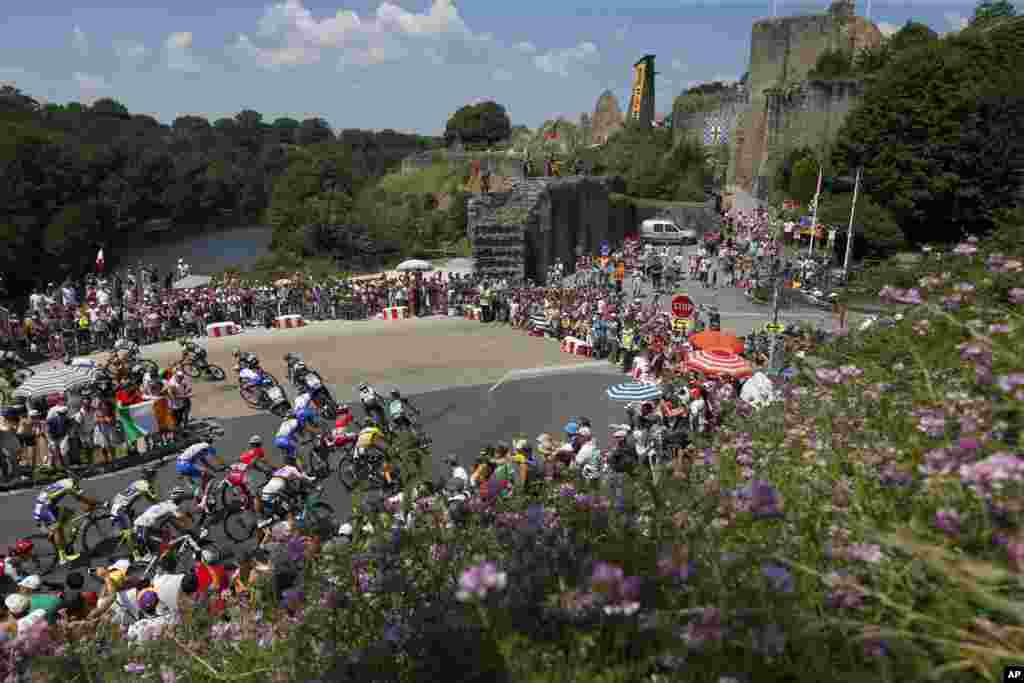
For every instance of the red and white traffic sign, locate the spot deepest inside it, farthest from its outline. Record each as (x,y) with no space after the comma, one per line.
(682,307)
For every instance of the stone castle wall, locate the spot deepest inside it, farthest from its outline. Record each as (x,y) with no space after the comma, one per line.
(520,233)
(780,109)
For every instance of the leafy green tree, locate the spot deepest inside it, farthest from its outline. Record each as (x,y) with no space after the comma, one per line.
(875,226)
(109,106)
(993,9)
(485,123)
(940,134)
(804,180)
(314,131)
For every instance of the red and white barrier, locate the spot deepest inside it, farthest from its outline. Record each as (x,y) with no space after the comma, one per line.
(225,329)
(471,312)
(576,347)
(285,322)
(394,313)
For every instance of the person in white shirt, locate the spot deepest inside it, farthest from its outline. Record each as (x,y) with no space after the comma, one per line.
(37,302)
(103,297)
(588,458)
(69,297)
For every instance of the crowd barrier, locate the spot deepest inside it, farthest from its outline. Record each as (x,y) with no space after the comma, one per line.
(285,322)
(576,347)
(394,313)
(222,329)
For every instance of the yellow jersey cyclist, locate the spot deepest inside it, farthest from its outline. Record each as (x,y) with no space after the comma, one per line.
(51,517)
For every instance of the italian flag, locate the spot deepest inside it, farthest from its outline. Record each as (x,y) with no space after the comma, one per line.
(144,418)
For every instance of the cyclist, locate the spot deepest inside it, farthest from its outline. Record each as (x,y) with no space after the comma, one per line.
(154,517)
(121,505)
(52,517)
(256,458)
(246,359)
(192,463)
(293,427)
(371,437)
(399,409)
(373,403)
(343,419)
(283,481)
(306,401)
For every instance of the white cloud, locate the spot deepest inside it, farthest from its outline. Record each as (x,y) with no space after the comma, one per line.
(621,32)
(290,35)
(957,22)
(178,47)
(127,50)
(560,61)
(90,86)
(79,41)
(526,47)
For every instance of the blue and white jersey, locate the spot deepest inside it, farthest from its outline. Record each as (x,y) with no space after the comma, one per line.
(196,453)
(290,429)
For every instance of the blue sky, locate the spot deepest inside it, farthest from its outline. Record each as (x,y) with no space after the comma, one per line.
(403,64)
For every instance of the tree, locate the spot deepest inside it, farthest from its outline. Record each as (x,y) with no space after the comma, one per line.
(993,9)
(284,130)
(107,105)
(873,225)
(485,123)
(940,179)
(314,131)
(804,180)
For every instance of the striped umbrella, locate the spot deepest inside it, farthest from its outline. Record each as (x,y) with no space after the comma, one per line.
(634,391)
(718,362)
(56,381)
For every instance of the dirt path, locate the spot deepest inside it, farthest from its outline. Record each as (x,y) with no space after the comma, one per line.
(412,355)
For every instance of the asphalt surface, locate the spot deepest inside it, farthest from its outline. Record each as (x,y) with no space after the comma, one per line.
(460,421)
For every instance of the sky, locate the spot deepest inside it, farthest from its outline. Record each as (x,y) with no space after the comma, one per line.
(401,64)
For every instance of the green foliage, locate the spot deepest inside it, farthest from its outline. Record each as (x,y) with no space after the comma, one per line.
(652,166)
(940,134)
(122,170)
(831,65)
(784,172)
(804,180)
(485,123)
(987,10)
(876,226)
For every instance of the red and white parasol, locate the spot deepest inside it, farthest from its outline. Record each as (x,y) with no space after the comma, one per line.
(718,362)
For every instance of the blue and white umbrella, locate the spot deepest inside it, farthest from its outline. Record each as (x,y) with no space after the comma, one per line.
(634,391)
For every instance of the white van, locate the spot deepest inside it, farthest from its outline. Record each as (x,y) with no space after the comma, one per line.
(665,231)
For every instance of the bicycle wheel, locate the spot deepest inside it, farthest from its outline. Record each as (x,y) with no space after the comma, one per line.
(43,559)
(100,537)
(349,473)
(240,525)
(215,373)
(191,369)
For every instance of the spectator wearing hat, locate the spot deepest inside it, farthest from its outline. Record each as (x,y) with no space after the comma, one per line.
(21,617)
(48,602)
(149,623)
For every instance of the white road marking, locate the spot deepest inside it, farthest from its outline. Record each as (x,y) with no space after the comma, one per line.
(549,370)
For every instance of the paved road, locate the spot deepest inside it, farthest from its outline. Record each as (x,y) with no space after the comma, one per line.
(460,421)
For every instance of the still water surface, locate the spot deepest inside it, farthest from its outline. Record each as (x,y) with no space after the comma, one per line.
(207,253)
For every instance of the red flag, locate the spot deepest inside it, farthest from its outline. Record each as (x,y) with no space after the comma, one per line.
(99,262)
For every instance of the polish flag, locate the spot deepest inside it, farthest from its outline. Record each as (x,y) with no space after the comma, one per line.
(99,261)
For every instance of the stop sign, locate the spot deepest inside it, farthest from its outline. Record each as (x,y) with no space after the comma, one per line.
(682,307)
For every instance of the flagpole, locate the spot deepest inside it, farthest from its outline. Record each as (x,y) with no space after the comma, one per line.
(849,230)
(814,216)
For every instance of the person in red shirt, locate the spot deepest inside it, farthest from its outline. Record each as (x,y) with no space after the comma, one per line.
(344,416)
(129,395)
(255,458)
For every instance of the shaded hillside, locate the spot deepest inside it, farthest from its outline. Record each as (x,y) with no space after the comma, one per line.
(77,177)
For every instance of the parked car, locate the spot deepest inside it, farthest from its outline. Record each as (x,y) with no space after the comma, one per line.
(665,231)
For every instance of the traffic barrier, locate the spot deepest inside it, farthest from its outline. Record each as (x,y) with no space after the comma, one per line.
(284,322)
(576,347)
(224,329)
(471,312)
(394,313)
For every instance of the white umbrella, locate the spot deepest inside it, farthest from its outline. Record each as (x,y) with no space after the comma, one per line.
(414,264)
(634,391)
(55,381)
(192,282)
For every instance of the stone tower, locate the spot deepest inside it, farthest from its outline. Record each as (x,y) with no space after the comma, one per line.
(607,118)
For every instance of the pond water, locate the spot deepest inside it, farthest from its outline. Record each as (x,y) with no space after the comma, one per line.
(207,253)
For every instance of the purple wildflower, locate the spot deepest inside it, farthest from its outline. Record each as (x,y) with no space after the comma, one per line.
(764,501)
(480,579)
(948,520)
(707,628)
(134,668)
(1016,295)
(779,578)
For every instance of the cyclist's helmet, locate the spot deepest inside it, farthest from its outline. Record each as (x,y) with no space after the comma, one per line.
(571,428)
(396,394)
(142,486)
(363,386)
(255,440)
(343,410)
(299,367)
(23,547)
(179,494)
(210,556)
